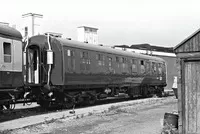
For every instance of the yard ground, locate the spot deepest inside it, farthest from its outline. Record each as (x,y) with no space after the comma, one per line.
(144,118)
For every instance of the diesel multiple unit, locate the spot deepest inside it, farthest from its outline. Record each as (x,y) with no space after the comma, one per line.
(57,71)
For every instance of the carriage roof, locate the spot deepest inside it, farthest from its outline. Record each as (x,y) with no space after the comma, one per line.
(93,47)
(9,32)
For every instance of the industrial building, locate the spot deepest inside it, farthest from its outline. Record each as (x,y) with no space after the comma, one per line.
(87,34)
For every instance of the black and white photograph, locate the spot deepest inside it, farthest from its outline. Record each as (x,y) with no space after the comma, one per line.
(100,67)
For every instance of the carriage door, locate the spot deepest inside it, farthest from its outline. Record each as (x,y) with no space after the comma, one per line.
(191,98)
(6,66)
(33,65)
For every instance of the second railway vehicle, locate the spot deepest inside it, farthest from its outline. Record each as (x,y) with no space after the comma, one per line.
(11,78)
(63,72)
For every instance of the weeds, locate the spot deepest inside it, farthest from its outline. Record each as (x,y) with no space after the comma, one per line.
(169,129)
(77,117)
(63,117)
(50,121)
(82,115)
(90,113)
(121,111)
(112,108)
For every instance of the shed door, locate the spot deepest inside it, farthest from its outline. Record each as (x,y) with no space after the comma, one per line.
(191,114)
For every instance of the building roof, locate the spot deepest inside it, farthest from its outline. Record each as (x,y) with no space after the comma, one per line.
(9,32)
(188,38)
(88,27)
(148,47)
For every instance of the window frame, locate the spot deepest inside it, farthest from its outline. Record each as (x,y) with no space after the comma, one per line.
(9,54)
(100,57)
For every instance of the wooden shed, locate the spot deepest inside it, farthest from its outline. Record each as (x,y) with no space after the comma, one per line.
(188,65)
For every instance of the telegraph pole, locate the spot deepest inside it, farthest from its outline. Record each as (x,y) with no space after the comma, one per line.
(33,16)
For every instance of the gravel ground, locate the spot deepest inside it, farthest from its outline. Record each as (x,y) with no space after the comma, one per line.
(137,118)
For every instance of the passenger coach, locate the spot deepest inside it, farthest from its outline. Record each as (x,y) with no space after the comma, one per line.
(11,76)
(62,71)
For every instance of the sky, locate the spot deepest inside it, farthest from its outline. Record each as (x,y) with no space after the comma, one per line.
(120,22)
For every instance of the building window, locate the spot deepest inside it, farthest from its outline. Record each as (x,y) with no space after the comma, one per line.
(7,52)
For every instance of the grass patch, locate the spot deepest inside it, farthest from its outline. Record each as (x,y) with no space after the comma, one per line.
(113,108)
(90,113)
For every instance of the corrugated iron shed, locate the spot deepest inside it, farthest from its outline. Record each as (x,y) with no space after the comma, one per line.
(188,65)
(190,44)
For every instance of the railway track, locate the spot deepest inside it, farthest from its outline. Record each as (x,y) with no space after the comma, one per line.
(22,111)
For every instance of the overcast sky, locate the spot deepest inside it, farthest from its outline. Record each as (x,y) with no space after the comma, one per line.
(157,22)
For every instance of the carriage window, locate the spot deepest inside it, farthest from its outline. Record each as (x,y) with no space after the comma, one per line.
(98,56)
(71,60)
(7,52)
(133,61)
(124,60)
(101,59)
(133,67)
(159,68)
(153,67)
(84,55)
(110,65)
(164,68)
(109,61)
(147,67)
(85,61)
(142,62)
(117,59)
(124,65)
(70,53)
(142,66)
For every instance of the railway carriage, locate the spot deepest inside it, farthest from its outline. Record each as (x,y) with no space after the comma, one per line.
(65,72)
(11,76)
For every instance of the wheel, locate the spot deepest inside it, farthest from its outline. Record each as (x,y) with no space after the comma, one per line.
(68,101)
(43,102)
(92,100)
(159,92)
(1,107)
